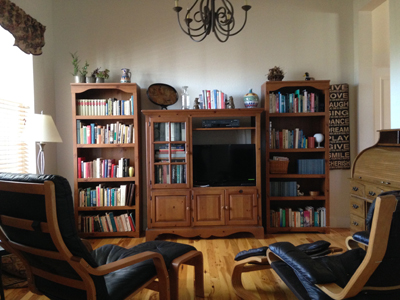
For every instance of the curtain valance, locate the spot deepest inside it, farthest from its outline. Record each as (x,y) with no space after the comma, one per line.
(28,33)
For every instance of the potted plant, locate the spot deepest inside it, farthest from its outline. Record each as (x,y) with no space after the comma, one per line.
(92,77)
(101,75)
(76,73)
(83,72)
(276,74)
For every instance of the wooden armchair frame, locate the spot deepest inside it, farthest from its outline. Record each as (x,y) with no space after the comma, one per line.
(380,229)
(161,282)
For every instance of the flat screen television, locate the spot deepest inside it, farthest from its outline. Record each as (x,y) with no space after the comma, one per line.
(224,165)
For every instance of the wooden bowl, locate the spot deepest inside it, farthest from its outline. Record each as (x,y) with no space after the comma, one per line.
(314,193)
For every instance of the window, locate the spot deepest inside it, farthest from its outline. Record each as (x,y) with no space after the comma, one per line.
(16,102)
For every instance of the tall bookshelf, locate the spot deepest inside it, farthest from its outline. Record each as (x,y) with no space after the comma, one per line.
(289,191)
(111,113)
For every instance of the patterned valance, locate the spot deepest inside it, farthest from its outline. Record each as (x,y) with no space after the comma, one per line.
(28,33)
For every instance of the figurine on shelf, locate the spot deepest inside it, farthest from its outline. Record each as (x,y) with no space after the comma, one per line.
(196,104)
(230,103)
(307,76)
(298,191)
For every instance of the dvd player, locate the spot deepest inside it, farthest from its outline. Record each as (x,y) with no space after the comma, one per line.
(220,123)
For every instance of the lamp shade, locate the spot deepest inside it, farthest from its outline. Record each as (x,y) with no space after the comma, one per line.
(44,130)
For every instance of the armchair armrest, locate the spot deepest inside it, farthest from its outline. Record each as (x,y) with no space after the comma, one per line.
(300,262)
(357,239)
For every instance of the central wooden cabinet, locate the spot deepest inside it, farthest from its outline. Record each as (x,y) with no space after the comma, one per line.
(179,205)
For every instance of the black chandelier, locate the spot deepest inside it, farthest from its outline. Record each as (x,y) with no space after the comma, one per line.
(208,18)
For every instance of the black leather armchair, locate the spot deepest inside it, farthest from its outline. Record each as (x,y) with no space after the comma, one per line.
(356,274)
(37,224)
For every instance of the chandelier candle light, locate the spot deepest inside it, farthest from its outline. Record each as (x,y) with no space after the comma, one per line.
(208,18)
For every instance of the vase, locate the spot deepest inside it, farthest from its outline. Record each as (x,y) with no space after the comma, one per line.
(90,79)
(250,100)
(126,76)
(99,80)
(79,79)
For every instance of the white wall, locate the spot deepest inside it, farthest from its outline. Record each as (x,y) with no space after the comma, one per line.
(311,35)
(394,25)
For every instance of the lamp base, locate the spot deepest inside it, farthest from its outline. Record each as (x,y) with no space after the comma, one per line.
(40,159)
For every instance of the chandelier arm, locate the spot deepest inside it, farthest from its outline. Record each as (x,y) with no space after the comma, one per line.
(187,32)
(244,24)
(235,33)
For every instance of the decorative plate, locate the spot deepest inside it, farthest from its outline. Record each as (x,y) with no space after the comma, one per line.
(162,94)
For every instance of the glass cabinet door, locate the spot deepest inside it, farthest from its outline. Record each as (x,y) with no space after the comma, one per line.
(169,150)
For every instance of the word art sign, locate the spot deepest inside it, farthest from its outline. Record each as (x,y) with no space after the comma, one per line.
(339,127)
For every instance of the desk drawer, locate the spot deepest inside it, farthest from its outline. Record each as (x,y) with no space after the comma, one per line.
(356,223)
(357,207)
(357,188)
(372,191)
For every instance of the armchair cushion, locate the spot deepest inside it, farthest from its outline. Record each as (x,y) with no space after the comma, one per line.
(310,271)
(120,283)
(302,264)
(316,248)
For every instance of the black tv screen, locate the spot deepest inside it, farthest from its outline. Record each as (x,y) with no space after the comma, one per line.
(224,165)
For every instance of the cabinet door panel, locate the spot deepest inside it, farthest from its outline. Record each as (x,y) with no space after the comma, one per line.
(208,207)
(242,207)
(170,208)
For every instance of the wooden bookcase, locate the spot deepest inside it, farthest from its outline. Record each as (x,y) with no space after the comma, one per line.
(175,204)
(310,123)
(106,151)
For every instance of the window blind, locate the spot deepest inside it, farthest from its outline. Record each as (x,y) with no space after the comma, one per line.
(13,148)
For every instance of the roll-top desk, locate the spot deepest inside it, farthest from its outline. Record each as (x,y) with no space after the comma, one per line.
(375,170)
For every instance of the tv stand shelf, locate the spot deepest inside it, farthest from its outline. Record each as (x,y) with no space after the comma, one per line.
(175,205)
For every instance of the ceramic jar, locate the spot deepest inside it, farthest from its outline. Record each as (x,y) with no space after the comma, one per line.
(251,99)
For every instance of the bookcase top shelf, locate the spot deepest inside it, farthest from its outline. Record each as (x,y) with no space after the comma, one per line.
(317,84)
(300,114)
(298,150)
(126,145)
(296,175)
(82,87)
(106,208)
(112,179)
(209,113)
(120,117)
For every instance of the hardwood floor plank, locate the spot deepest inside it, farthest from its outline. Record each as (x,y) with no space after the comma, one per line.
(218,255)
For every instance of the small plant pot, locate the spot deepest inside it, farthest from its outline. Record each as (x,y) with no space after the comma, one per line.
(79,79)
(90,79)
(99,80)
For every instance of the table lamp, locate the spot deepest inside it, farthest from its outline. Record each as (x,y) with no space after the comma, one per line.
(44,131)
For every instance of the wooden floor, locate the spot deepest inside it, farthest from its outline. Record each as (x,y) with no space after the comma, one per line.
(219,256)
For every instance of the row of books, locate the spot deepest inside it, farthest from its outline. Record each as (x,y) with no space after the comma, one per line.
(288,139)
(105,107)
(107,223)
(283,188)
(162,130)
(297,102)
(162,174)
(177,153)
(212,99)
(115,133)
(101,196)
(311,166)
(307,217)
(103,168)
